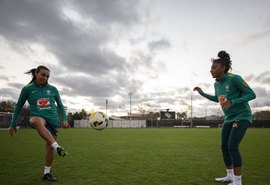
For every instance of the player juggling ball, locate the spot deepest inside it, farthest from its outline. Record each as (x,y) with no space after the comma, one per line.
(41,97)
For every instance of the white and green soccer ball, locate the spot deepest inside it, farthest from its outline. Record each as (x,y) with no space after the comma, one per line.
(98,120)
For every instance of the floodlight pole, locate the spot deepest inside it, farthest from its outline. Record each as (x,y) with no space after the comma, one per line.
(191,123)
(130,94)
(106,105)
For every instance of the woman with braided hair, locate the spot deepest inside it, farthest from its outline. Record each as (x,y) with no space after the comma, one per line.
(233,94)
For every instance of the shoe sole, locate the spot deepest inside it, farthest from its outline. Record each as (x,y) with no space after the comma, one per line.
(226,182)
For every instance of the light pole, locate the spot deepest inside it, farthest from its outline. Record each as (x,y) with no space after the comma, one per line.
(130,94)
(106,105)
(191,123)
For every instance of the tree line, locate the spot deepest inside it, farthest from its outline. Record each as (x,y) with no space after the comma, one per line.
(9,106)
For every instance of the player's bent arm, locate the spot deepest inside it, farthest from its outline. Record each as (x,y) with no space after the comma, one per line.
(60,105)
(21,101)
(247,93)
(209,97)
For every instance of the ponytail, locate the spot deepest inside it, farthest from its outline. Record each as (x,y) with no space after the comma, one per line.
(32,72)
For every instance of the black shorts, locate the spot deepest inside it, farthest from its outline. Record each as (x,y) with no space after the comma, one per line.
(52,128)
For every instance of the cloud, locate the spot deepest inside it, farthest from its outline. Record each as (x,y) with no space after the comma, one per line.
(262,97)
(263,78)
(107,12)
(250,77)
(78,47)
(8,93)
(77,34)
(255,37)
(99,50)
(17,86)
(159,44)
(261,92)
(4,77)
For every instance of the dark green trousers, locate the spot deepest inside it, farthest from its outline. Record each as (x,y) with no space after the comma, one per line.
(232,135)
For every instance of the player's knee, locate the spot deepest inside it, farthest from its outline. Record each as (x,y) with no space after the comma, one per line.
(233,149)
(37,122)
(224,148)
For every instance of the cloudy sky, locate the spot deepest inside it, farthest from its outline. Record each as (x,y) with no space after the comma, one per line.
(154,50)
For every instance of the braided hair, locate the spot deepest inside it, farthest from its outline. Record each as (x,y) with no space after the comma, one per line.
(224,59)
(34,70)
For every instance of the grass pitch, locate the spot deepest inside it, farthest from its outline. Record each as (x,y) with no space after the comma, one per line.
(151,156)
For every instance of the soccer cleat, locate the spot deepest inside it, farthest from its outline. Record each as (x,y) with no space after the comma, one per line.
(226,179)
(61,151)
(49,177)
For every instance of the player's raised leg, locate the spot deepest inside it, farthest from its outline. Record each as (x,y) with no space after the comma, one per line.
(39,124)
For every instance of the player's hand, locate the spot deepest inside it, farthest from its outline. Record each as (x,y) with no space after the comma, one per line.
(198,89)
(12,130)
(226,104)
(65,124)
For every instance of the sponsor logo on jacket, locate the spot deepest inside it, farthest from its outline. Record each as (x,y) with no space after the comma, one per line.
(42,102)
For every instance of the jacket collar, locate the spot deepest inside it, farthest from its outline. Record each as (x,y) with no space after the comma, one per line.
(223,78)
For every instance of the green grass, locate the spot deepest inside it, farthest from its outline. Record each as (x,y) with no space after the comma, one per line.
(152,156)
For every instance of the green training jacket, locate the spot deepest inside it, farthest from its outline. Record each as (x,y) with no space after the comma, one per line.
(235,89)
(42,103)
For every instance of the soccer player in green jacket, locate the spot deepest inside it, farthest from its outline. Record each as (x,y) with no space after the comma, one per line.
(41,97)
(233,94)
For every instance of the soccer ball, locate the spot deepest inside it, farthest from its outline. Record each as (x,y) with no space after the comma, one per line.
(98,120)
